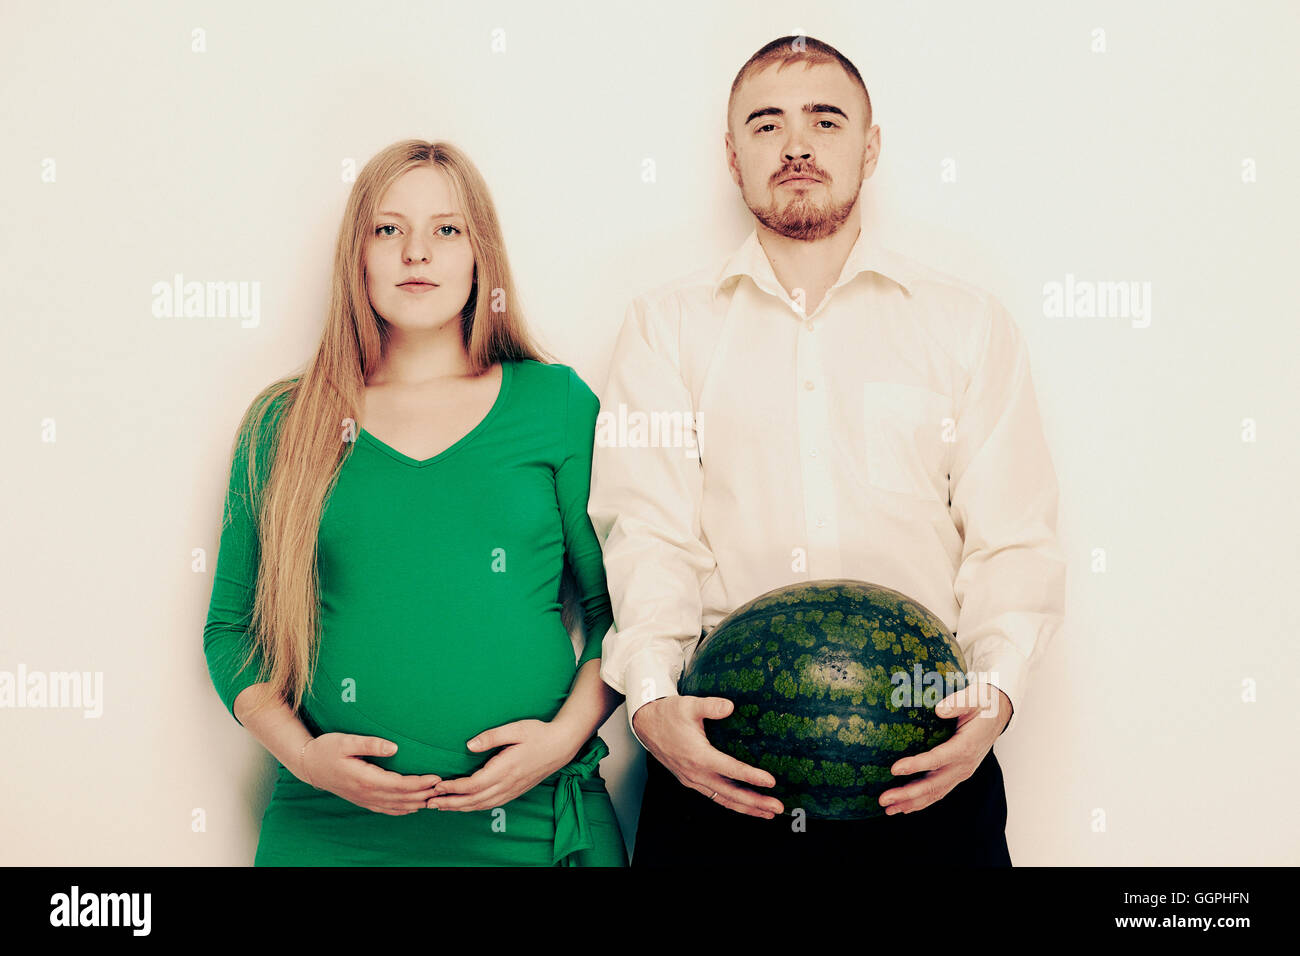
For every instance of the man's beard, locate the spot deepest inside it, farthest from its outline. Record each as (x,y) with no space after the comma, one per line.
(802,218)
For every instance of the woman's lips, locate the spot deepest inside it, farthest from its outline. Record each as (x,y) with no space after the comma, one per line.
(417,288)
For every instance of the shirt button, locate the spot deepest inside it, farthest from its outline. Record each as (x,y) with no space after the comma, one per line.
(821,522)
(813,453)
(810,326)
(809,385)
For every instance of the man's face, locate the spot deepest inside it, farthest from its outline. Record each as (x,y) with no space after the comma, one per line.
(799,148)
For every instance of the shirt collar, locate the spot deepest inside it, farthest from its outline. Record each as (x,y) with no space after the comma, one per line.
(867,255)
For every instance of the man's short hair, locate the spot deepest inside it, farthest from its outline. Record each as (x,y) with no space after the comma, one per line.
(796,49)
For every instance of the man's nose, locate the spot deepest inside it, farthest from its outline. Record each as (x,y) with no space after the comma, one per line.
(796,147)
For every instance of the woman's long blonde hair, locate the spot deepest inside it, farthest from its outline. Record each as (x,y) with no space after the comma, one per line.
(310,417)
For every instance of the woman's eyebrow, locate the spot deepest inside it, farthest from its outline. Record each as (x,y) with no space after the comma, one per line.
(436,215)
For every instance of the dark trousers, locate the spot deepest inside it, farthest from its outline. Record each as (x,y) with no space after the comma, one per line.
(683,827)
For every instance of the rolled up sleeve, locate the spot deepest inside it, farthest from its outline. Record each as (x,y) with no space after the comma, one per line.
(1011,581)
(645,507)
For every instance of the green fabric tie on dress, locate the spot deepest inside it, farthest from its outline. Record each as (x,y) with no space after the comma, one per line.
(571,831)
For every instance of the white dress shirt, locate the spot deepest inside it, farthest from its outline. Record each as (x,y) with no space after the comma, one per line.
(891,435)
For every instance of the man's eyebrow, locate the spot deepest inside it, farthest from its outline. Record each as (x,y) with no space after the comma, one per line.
(807,108)
(765,111)
(436,215)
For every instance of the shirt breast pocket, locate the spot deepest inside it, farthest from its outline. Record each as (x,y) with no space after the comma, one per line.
(907,431)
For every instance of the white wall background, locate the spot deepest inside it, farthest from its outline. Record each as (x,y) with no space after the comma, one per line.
(226,165)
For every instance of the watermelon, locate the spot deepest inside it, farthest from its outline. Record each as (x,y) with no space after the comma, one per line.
(832,682)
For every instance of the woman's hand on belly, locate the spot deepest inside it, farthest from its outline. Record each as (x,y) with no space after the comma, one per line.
(531,751)
(336,762)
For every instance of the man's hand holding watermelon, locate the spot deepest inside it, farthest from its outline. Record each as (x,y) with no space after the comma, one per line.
(672,729)
(956,758)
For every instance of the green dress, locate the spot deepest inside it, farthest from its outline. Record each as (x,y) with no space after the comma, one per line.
(440,617)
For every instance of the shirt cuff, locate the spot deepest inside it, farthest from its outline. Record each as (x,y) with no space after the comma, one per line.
(1013,706)
(645,678)
(1004,668)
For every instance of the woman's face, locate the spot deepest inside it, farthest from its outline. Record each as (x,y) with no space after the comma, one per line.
(419,233)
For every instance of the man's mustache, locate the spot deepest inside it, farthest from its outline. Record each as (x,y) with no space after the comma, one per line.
(811,172)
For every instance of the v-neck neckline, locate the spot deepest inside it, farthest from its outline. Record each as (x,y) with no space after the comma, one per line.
(507,372)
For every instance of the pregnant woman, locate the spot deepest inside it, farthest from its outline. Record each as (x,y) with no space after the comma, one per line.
(404,520)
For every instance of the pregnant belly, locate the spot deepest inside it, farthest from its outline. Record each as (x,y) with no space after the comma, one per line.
(431,695)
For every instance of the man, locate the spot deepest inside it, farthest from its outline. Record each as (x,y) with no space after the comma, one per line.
(848,413)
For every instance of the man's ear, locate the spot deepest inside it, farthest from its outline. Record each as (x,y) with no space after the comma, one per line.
(729,151)
(869,158)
